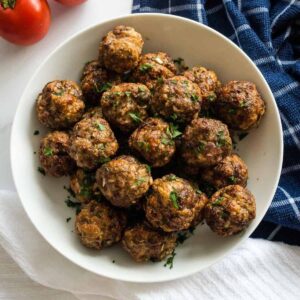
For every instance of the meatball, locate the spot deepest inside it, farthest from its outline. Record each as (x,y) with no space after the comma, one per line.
(144,243)
(60,104)
(170,205)
(125,105)
(95,80)
(99,225)
(153,68)
(54,156)
(201,201)
(177,98)
(93,112)
(154,140)
(120,49)
(230,170)
(92,142)
(208,83)
(230,210)
(123,180)
(205,142)
(240,105)
(82,184)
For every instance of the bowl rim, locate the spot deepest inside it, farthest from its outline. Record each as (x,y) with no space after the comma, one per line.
(14,167)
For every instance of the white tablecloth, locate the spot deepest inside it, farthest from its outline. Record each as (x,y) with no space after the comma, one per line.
(258,269)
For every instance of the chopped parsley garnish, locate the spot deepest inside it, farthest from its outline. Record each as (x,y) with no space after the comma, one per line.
(174,199)
(41,170)
(70,191)
(144,145)
(36,132)
(58,93)
(225,214)
(72,204)
(128,94)
(104,160)
(135,117)
(104,87)
(242,135)
(160,80)
(218,201)
(201,147)
(173,81)
(221,141)
(68,219)
(191,230)
(141,89)
(232,179)
(100,126)
(48,151)
(194,97)
(198,192)
(174,117)
(148,168)
(145,67)
(117,93)
(244,103)
(173,131)
(86,191)
(167,141)
(211,97)
(172,177)
(170,260)
(139,181)
(178,60)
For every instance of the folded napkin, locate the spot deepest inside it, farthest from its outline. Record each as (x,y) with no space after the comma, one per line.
(269,32)
(263,269)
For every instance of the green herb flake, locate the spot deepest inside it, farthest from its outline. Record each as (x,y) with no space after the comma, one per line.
(42,171)
(173,131)
(68,219)
(144,145)
(200,147)
(191,230)
(135,117)
(232,111)
(145,67)
(99,126)
(225,215)
(173,81)
(242,135)
(170,260)
(36,132)
(105,87)
(178,60)
(211,97)
(232,179)
(220,139)
(172,177)
(198,192)
(148,169)
(194,97)
(72,204)
(48,151)
(128,94)
(174,199)
(174,117)
(117,93)
(167,141)
(218,201)
(104,160)
(141,89)
(139,181)
(160,80)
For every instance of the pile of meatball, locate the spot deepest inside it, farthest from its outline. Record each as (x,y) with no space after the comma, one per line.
(138,137)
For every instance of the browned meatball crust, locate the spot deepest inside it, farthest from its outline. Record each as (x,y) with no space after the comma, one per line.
(92,142)
(208,83)
(120,49)
(93,112)
(95,80)
(199,208)
(230,170)
(170,204)
(99,225)
(144,243)
(125,105)
(82,183)
(205,142)
(54,156)
(177,98)
(153,68)
(154,140)
(60,104)
(240,105)
(123,180)
(230,210)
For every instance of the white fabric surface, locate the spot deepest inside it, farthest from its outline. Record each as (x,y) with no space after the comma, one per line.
(258,269)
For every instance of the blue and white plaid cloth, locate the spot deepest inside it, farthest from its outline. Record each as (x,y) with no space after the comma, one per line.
(269,32)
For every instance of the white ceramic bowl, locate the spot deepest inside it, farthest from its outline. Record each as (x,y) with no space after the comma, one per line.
(43,197)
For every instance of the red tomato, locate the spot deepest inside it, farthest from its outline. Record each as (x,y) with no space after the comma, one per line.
(71,2)
(24,22)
